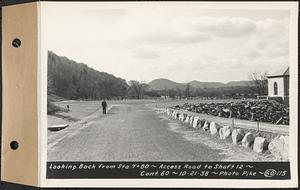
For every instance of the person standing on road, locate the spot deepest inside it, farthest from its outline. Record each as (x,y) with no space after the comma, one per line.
(104,106)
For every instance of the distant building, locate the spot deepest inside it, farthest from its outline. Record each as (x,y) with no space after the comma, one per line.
(278,85)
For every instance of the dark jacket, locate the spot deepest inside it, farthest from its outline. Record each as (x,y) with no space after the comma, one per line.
(104,104)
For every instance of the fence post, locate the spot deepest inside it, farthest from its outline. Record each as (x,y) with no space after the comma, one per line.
(233,123)
(257,126)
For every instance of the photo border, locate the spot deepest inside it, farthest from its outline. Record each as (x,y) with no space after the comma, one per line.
(42,93)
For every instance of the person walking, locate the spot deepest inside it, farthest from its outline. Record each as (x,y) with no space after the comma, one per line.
(104,106)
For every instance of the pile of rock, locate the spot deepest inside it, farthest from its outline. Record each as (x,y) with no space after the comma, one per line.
(262,111)
(278,146)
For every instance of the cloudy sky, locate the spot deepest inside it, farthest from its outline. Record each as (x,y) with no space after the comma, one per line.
(181,43)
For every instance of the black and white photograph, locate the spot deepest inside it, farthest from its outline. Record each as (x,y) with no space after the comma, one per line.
(167,82)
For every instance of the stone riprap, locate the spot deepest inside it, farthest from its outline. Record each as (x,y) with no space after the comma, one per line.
(196,122)
(191,120)
(279,146)
(263,110)
(248,140)
(182,116)
(206,126)
(177,115)
(237,135)
(202,122)
(187,119)
(260,144)
(173,113)
(214,128)
(225,132)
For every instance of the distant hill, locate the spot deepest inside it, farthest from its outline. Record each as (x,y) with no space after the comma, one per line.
(198,84)
(240,83)
(165,84)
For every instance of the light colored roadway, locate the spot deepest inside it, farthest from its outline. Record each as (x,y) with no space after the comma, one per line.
(129,132)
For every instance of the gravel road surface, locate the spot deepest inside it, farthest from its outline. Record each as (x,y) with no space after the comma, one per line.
(135,132)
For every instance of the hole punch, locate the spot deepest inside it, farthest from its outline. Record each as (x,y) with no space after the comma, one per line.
(14,145)
(16,43)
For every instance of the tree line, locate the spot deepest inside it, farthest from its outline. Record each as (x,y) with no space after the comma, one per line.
(72,80)
(220,92)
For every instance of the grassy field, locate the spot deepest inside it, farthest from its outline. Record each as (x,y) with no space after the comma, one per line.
(82,109)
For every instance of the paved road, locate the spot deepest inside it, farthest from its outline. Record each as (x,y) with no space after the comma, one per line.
(129,132)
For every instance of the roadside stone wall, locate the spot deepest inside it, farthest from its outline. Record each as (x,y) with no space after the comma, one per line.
(278,146)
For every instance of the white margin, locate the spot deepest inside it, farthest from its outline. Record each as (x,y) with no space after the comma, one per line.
(292,6)
(43,95)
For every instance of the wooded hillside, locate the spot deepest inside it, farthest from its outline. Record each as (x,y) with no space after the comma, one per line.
(72,80)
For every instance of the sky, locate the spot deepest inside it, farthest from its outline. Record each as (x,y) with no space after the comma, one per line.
(180,43)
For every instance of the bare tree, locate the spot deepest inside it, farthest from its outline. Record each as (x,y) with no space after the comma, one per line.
(171,93)
(260,82)
(179,94)
(187,90)
(165,93)
(137,88)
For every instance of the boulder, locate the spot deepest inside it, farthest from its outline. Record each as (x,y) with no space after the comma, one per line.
(172,113)
(196,122)
(183,116)
(225,132)
(285,154)
(237,135)
(279,147)
(260,144)
(176,115)
(187,119)
(206,126)
(248,140)
(201,124)
(214,128)
(169,112)
(191,120)
(180,117)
